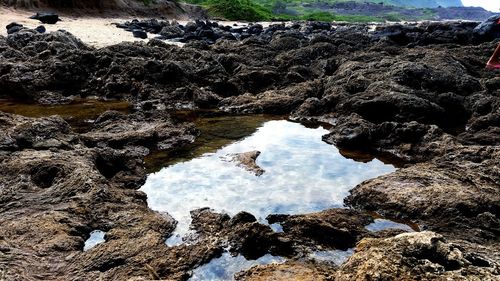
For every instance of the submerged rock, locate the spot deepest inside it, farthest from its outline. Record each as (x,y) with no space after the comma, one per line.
(247,161)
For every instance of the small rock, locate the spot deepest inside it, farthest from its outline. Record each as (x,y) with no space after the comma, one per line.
(40,29)
(13,24)
(14,29)
(139,34)
(247,161)
(172,31)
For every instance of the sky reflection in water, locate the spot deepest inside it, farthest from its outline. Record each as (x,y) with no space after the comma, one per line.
(96,238)
(224,267)
(303,174)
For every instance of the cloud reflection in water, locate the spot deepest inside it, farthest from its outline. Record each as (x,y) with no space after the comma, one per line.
(303,174)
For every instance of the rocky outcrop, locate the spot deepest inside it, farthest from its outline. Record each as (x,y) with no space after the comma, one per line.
(418,93)
(457,195)
(153,131)
(333,228)
(289,271)
(415,256)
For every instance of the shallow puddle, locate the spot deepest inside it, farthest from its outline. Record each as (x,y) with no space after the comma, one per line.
(96,238)
(216,132)
(302,174)
(383,224)
(78,113)
(224,267)
(336,257)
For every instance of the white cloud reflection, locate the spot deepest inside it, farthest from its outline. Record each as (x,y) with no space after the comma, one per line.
(303,174)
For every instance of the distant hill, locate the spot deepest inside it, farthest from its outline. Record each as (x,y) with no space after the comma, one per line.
(393,11)
(422,3)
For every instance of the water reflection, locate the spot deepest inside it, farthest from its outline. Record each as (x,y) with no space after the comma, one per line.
(336,257)
(383,224)
(226,266)
(216,132)
(96,237)
(303,174)
(77,113)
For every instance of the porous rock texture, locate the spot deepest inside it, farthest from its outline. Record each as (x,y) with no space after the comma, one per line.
(418,93)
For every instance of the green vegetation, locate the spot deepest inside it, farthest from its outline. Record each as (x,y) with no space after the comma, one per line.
(267,10)
(237,10)
(326,16)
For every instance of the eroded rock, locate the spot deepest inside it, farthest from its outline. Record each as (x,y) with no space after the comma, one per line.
(412,256)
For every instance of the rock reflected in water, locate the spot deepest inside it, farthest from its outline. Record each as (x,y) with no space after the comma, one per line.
(226,266)
(303,174)
(96,237)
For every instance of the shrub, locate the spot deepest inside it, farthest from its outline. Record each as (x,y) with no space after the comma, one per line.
(238,10)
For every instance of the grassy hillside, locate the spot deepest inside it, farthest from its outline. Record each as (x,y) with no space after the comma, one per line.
(265,10)
(341,10)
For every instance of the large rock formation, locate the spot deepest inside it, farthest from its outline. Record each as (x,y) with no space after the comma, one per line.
(415,93)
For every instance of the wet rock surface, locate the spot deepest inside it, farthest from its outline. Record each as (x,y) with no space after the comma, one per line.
(247,160)
(418,93)
(289,271)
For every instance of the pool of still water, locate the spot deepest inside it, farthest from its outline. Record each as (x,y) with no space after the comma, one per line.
(302,174)
(79,113)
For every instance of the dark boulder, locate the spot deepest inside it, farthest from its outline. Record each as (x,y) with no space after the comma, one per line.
(139,34)
(13,24)
(255,29)
(14,29)
(488,29)
(40,29)
(172,31)
(47,18)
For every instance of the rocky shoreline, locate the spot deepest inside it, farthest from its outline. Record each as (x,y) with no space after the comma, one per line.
(419,93)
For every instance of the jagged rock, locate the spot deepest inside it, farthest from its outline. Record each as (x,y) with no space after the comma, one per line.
(13,27)
(412,256)
(418,93)
(172,31)
(294,270)
(488,29)
(333,228)
(454,193)
(118,130)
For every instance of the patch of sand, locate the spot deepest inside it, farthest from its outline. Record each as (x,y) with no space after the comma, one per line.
(95,31)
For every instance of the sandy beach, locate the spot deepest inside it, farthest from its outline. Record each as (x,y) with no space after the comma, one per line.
(98,32)
(95,31)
